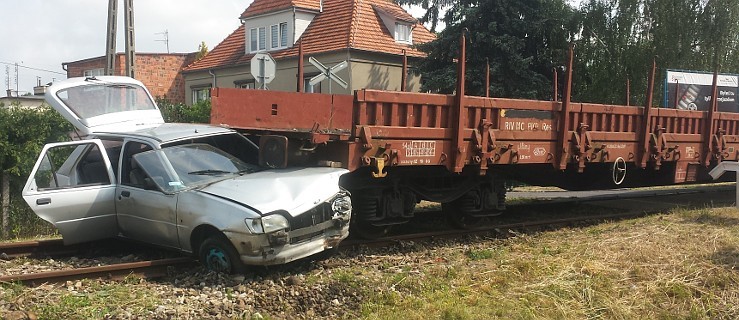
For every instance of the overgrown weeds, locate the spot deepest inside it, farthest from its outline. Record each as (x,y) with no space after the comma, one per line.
(679,265)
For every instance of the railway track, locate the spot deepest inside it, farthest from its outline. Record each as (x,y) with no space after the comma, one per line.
(484,231)
(161,267)
(555,202)
(11,250)
(147,269)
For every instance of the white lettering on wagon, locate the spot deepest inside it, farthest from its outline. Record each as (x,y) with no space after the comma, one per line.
(526,126)
(420,148)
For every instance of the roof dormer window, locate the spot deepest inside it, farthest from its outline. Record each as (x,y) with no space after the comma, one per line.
(403,33)
(279,36)
(397,21)
(258,39)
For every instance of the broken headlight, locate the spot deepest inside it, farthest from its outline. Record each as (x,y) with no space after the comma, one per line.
(342,205)
(267,224)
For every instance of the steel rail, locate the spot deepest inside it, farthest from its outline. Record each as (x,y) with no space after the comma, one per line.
(146,269)
(30,248)
(448,234)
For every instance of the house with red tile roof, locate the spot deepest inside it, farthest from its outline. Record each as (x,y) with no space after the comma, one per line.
(371,35)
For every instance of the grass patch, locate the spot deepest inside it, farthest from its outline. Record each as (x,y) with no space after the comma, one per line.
(481,254)
(679,265)
(86,299)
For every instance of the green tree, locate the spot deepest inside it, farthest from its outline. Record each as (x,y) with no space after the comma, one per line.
(434,10)
(23,132)
(523,41)
(620,38)
(202,50)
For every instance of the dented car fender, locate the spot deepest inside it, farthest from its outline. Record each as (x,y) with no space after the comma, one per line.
(223,214)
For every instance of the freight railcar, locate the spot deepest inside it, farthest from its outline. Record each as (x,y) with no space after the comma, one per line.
(458,150)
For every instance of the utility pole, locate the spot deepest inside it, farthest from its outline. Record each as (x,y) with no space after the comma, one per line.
(7,80)
(16,80)
(111,37)
(130,39)
(110,45)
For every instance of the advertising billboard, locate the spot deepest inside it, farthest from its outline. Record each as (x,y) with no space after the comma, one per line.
(693,91)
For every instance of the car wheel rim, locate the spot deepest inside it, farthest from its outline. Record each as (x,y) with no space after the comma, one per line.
(217,260)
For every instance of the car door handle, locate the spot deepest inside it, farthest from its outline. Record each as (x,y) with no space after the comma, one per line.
(43,201)
(125,194)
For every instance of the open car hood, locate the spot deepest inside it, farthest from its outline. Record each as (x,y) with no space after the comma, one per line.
(293,190)
(104,104)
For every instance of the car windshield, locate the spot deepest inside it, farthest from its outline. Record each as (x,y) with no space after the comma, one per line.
(194,164)
(101,98)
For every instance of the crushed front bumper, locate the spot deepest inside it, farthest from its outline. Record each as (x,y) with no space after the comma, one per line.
(285,246)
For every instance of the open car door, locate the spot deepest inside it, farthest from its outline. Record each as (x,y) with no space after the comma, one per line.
(72,186)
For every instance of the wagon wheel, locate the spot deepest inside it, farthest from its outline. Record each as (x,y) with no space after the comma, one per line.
(365,210)
(219,255)
(368,231)
(459,218)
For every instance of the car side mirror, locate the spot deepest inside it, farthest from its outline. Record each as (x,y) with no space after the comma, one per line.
(273,151)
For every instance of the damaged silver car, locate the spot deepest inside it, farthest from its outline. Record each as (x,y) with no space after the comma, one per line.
(200,189)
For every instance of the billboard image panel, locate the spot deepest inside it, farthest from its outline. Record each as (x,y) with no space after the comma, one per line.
(693,91)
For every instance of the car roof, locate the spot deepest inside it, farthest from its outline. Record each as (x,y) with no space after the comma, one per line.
(169,132)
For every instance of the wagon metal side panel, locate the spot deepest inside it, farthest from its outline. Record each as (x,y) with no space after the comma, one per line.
(279,111)
(382,129)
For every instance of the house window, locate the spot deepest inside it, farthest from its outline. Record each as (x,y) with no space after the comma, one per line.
(278,35)
(275,36)
(253,40)
(262,38)
(258,39)
(200,94)
(93,72)
(245,85)
(403,33)
(309,88)
(283,34)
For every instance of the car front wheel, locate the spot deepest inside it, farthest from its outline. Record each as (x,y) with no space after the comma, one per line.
(218,254)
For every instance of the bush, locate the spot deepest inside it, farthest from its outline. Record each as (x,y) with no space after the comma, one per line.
(181,113)
(23,132)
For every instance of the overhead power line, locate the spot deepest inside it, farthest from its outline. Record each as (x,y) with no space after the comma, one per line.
(31,68)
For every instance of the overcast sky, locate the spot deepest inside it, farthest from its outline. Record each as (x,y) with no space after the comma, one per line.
(40,34)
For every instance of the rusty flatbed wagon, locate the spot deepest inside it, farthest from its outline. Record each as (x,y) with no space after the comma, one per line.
(405,147)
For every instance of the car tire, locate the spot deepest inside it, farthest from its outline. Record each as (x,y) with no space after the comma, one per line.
(217,254)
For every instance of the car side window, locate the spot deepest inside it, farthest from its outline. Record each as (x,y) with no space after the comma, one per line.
(131,172)
(71,166)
